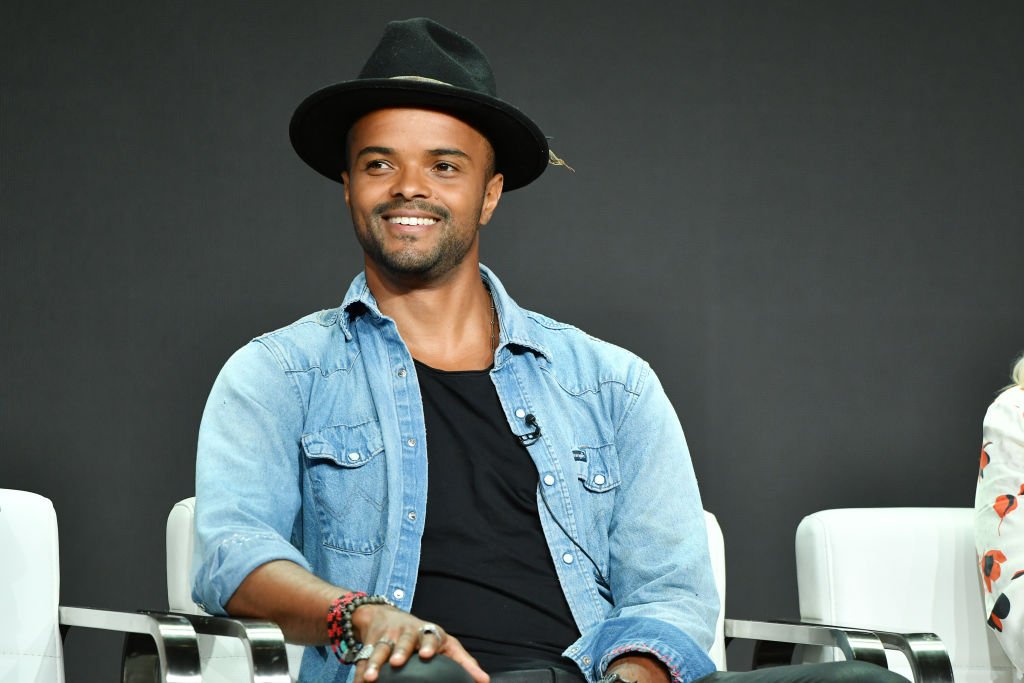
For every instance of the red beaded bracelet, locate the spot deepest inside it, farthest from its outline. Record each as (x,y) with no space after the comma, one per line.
(339,623)
(336,635)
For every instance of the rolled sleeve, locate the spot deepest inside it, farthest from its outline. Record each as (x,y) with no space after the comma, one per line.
(685,660)
(248,501)
(664,598)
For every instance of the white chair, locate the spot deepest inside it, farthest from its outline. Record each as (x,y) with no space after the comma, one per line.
(223,661)
(908,570)
(32,622)
(229,649)
(716,548)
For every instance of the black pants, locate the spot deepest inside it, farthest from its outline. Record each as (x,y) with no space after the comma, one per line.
(443,670)
(834,672)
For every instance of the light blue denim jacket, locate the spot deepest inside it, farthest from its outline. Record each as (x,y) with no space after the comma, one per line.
(313,449)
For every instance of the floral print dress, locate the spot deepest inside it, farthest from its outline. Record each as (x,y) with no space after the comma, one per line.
(999,520)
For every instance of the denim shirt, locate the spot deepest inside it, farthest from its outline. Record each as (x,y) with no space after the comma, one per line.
(313,449)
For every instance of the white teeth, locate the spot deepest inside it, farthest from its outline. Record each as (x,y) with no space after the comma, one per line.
(410,220)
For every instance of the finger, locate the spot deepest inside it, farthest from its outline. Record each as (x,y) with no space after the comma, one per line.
(360,669)
(432,639)
(405,645)
(453,648)
(381,652)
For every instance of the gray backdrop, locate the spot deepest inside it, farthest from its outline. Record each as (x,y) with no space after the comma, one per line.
(805,215)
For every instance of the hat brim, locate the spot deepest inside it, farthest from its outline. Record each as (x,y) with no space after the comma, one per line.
(320,124)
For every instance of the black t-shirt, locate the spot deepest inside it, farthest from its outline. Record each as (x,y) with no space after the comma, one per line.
(486,574)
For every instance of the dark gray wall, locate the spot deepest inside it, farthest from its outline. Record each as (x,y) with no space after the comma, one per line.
(806,216)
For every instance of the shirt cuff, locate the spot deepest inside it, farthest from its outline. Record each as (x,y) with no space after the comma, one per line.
(685,660)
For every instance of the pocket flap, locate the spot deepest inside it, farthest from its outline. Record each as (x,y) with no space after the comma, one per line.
(597,467)
(344,445)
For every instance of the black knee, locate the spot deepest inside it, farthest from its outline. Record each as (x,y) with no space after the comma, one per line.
(862,672)
(437,669)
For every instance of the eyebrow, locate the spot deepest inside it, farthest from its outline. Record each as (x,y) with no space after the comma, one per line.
(374,150)
(447,153)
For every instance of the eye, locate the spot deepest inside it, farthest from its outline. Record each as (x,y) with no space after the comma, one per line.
(376,165)
(445,167)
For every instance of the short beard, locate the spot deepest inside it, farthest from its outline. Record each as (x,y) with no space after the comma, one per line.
(449,251)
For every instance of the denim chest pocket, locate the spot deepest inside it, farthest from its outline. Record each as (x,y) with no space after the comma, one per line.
(597,467)
(597,470)
(347,474)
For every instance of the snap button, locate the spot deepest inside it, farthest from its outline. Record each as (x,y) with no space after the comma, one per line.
(353,456)
(520,413)
(586,661)
(410,442)
(548,479)
(412,516)
(398,593)
(599,479)
(401,372)
(567,558)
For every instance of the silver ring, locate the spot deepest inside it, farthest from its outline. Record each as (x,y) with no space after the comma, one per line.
(365,652)
(385,641)
(432,629)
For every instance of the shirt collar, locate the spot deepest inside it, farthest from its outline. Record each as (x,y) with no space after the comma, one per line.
(516,327)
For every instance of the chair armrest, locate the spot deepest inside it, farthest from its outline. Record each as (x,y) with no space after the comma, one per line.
(929,660)
(928,657)
(174,638)
(778,639)
(263,640)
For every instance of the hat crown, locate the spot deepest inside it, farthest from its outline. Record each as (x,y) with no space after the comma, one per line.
(423,48)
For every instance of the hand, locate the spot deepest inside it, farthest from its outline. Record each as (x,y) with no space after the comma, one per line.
(395,635)
(640,667)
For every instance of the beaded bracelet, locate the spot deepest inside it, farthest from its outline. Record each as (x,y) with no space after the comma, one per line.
(339,623)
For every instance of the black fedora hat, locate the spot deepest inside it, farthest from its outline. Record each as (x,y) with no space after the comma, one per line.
(420,63)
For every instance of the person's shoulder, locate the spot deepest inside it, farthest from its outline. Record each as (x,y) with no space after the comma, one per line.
(1007,406)
(1012,396)
(589,359)
(314,325)
(315,340)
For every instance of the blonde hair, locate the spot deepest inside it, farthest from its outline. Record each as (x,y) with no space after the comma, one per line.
(1018,372)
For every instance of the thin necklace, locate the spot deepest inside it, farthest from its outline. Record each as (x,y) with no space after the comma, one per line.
(493,315)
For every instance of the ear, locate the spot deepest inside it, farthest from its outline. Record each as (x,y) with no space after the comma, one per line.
(344,183)
(492,193)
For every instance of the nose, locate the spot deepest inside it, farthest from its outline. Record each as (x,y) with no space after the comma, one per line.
(409,183)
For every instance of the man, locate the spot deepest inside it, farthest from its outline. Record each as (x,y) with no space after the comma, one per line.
(563,533)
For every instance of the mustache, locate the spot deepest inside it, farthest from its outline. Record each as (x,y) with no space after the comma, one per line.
(414,205)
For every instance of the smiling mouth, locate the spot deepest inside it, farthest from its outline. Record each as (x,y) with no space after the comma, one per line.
(410,220)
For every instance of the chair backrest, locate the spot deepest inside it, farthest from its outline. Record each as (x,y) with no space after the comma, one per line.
(223,659)
(716,547)
(909,570)
(180,545)
(30,643)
